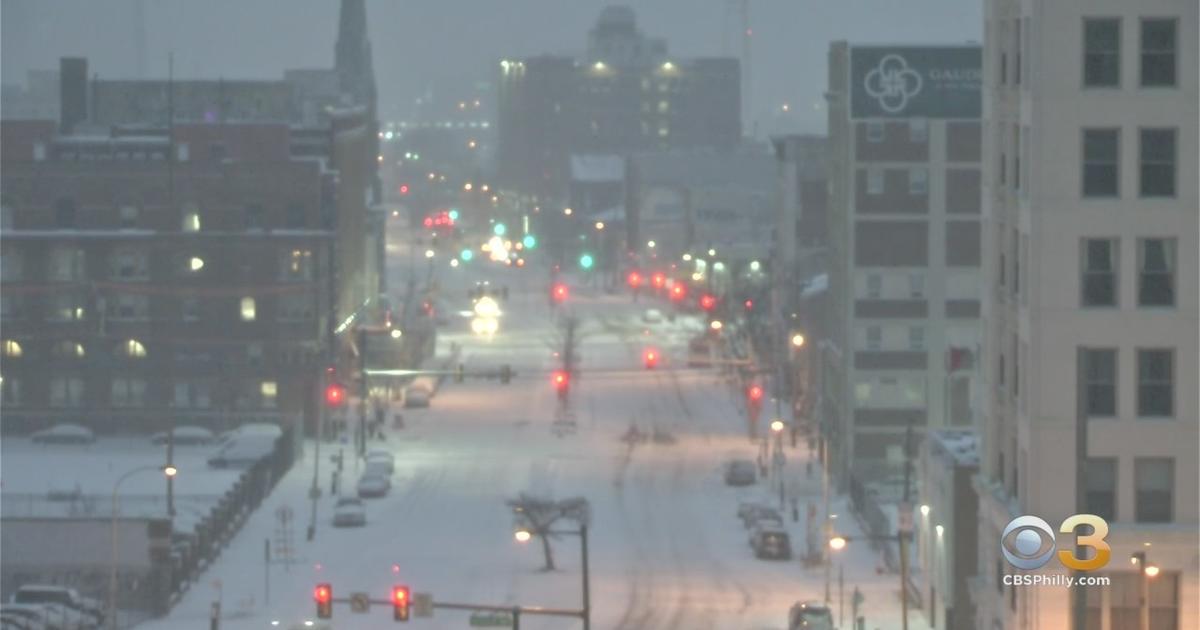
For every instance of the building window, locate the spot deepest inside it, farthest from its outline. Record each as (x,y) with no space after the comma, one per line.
(10,391)
(874,131)
(295,216)
(182,151)
(133,349)
(1100,383)
(248,309)
(874,286)
(1156,154)
(269,391)
(12,349)
(1158,52)
(918,181)
(1164,600)
(1099,264)
(918,130)
(66,264)
(663,107)
(1101,498)
(1156,383)
(126,307)
(193,265)
(12,267)
(66,391)
(130,265)
(1101,52)
(1154,478)
(65,307)
(916,337)
(295,308)
(1101,162)
(1156,272)
(129,217)
(64,214)
(255,217)
(68,350)
(190,308)
(916,286)
(12,307)
(296,265)
(128,392)
(874,338)
(192,394)
(874,181)
(191,220)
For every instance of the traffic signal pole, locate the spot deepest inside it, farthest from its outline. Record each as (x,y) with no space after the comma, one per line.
(362,393)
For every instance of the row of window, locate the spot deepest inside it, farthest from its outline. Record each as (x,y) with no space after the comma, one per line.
(1157,162)
(66,349)
(72,307)
(1100,266)
(1154,488)
(1158,49)
(874,342)
(918,181)
(67,391)
(918,131)
(67,264)
(1155,382)
(254,216)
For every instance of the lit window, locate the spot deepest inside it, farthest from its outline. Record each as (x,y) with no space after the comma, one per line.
(191,221)
(663,132)
(134,349)
(663,107)
(69,349)
(249,312)
(12,348)
(129,216)
(269,390)
(195,263)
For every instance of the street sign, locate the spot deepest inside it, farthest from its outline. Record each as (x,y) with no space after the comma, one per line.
(491,620)
(360,602)
(422,604)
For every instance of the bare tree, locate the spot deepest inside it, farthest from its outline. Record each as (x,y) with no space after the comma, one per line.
(539,516)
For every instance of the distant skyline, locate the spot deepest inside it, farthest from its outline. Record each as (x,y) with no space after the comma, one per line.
(445,46)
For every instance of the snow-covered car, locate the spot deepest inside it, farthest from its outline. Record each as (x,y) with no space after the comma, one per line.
(382,461)
(27,616)
(64,434)
(373,486)
(740,472)
(349,512)
(810,616)
(771,543)
(186,435)
(51,594)
(761,525)
(243,451)
(761,513)
(652,316)
(746,507)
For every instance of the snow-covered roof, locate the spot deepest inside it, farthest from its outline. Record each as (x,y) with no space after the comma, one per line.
(961,445)
(815,285)
(597,168)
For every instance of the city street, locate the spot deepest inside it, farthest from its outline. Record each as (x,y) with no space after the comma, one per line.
(667,550)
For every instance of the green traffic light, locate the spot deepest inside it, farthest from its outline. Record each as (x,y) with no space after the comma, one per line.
(586,261)
(466,255)
(529,241)
(499,229)
(454,214)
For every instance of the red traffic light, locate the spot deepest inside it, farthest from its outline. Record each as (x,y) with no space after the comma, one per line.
(560,379)
(403,189)
(678,291)
(400,603)
(650,357)
(658,280)
(559,292)
(634,278)
(708,302)
(749,304)
(335,395)
(755,393)
(323,595)
(428,222)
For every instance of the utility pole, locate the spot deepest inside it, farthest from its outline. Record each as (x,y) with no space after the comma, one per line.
(905,527)
(363,391)
(171,201)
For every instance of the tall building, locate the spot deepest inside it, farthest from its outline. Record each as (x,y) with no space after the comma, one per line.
(1090,302)
(624,94)
(903,255)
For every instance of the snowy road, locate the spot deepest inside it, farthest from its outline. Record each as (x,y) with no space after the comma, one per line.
(667,551)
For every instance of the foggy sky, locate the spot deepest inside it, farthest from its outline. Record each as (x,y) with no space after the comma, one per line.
(444,45)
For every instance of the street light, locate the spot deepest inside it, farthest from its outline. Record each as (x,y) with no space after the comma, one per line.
(837,543)
(797,340)
(168,471)
(524,535)
(777,426)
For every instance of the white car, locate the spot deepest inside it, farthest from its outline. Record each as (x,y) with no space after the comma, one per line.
(186,435)
(349,512)
(652,316)
(51,594)
(373,486)
(64,434)
(381,461)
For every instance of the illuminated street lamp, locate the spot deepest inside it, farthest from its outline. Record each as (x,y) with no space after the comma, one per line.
(168,471)
(429,253)
(797,340)
(777,426)
(837,543)
(523,535)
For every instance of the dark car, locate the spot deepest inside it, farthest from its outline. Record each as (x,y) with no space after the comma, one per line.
(810,616)
(760,513)
(771,543)
(740,472)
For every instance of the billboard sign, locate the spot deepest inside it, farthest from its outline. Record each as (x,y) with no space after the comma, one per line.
(915,81)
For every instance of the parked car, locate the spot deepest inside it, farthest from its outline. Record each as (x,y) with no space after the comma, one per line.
(64,434)
(652,316)
(186,435)
(243,451)
(373,486)
(69,597)
(746,507)
(740,472)
(30,616)
(761,513)
(771,541)
(810,616)
(252,428)
(382,461)
(349,512)
(417,395)
(378,468)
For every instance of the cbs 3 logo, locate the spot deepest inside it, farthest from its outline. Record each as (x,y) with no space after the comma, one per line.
(1028,542)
